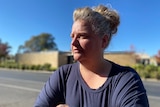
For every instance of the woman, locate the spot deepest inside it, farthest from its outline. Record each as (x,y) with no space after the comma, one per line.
(93,81)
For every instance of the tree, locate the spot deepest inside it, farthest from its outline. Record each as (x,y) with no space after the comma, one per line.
(158,57)
(158,54)
(4,49)
(132,48)
(39,43)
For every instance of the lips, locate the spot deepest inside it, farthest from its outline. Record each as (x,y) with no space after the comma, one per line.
(76,50)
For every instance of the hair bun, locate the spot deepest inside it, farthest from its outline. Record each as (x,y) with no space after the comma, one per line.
(110,15)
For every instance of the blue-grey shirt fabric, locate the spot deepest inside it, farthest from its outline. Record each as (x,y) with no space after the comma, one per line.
(123,88)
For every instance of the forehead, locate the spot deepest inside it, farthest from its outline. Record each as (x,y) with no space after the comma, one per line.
(81,26)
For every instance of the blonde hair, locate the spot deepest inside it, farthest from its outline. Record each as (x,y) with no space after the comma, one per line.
(104,21)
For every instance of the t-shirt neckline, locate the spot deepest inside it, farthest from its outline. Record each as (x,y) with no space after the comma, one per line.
(86,87)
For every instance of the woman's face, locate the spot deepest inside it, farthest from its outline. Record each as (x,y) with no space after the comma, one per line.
(85,44)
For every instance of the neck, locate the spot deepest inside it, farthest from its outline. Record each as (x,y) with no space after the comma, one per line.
(98,67)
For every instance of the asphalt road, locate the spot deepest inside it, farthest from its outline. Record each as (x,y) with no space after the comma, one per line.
(20,88)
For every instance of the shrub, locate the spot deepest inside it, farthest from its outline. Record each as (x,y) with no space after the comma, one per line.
(46,66)
(22,66)
(151,68)
(38,67)
(147,71)
(158,75)
(2,65)
(146,74)
(33,67)
(52,69)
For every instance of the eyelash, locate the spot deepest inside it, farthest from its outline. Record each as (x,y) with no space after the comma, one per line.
(80,36)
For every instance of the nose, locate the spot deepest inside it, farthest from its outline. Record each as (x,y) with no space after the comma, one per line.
(74,41)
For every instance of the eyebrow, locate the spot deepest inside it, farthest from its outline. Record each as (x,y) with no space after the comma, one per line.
(85,34)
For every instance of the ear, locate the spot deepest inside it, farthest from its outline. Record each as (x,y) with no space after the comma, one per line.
(105,41)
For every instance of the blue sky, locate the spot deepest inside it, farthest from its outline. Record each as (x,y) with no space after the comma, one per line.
(22,19)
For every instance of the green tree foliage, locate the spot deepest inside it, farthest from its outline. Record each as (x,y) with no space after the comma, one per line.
(148,71)
(38,43)
(4,49)
(157,57)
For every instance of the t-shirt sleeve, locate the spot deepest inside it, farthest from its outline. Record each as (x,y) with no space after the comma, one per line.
(130,91)
(52,92)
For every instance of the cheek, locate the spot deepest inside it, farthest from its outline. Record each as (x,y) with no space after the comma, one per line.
(85,44)
(93,46)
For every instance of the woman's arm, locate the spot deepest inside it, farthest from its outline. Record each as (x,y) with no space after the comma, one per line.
(52,93)
(131,92)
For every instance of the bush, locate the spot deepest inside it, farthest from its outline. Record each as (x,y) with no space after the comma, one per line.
(158,75)
(52,69)
(23,66)
(33,67)
(151,68)
(39,67)
(14,65)
(46,66)
(2,65)
(146,74)
(148,71)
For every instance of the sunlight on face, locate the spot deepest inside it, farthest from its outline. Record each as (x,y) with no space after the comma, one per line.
(85,44)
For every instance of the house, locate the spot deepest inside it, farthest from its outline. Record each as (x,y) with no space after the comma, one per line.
(157,58)
(58,58)
(143,58)
(125,58)
(55,58)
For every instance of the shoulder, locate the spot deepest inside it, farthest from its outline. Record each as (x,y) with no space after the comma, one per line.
(123,75)
(60,76)
(67,67)
(122,71)
(64,71)
(128,85)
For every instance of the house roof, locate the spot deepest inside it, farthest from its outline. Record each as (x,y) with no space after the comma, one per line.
(143,55)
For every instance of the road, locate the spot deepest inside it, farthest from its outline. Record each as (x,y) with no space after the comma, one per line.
(153,91)
(20,88)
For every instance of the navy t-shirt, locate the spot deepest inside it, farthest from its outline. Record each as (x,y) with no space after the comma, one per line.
(123,88)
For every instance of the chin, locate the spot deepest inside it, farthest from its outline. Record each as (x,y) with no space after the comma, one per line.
(77,57)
